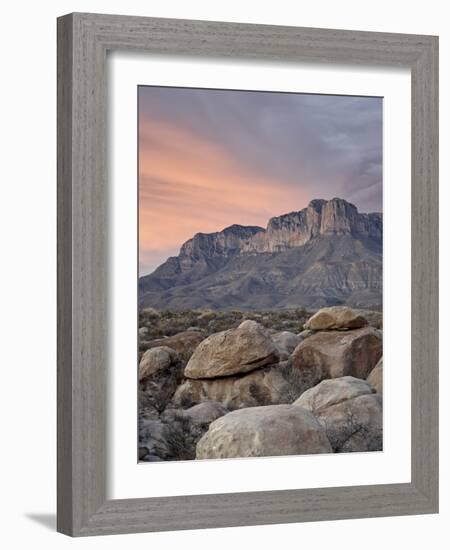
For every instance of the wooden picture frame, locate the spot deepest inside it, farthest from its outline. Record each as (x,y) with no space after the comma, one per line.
(83,41)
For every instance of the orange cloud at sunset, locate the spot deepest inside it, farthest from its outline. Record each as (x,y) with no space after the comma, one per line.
(188,185)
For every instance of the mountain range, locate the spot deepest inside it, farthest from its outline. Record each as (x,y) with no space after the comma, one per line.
(325,254)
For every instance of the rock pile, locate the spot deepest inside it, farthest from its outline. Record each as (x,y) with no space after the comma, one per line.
(241,368)
(252,391)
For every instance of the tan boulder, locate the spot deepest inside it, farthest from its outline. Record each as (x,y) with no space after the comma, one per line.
(271,385)
(336,317)
(232,351)
(250,324)
(333,354)
(156,360)
(331,392)
(202,413)
(264,431)
(375,378)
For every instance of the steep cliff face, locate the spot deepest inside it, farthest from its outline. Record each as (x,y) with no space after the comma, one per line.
(327,253)
(320,217)
(224,244)
(288,230)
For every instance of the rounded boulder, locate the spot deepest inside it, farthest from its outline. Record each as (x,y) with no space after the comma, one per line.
(332,392)
(233,351)
(332,354)
(156,360)
(336,317)
(273,430)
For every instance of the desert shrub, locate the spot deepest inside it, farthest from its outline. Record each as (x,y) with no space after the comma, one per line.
(178,440)
(349,429)
(168,322)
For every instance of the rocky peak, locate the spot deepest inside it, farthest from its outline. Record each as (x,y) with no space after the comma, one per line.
(317,204)
(338,217)
(320,217)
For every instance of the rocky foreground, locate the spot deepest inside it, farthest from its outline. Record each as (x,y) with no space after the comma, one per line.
(253,389)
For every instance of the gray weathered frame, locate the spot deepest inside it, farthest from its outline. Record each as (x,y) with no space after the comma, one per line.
(83,41)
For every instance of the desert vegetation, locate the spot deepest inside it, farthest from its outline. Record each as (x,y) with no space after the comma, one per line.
(163,323)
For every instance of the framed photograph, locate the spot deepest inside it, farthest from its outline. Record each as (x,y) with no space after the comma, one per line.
(247,274)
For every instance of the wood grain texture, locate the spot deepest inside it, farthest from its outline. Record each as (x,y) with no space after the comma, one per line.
(424,277)
(64,328)
(83,42)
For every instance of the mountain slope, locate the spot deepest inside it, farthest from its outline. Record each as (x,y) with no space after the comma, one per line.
(325,254)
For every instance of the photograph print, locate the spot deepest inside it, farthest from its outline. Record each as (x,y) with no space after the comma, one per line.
(260,291)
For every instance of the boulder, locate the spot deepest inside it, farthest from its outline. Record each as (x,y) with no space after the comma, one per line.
(349,411)
(286,342)
(336,317)
(333,354)
(160,372)
(154,440)
(277,384)
(143,331)
(332,392)
(232,351)
(264,431)
(156,360)
(184,343)
(375,378)
(203,413)
(250,324)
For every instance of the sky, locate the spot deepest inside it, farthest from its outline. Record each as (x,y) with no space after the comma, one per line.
(212,158)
